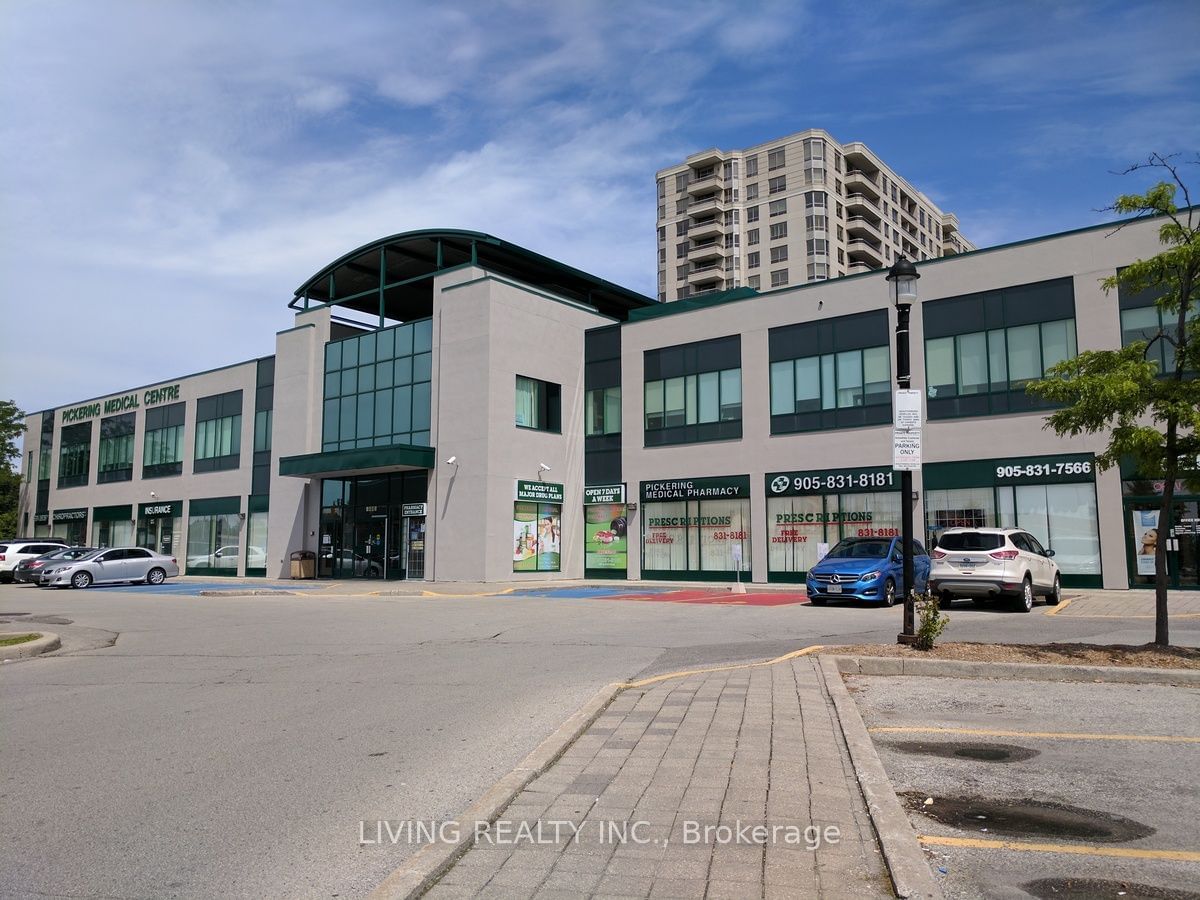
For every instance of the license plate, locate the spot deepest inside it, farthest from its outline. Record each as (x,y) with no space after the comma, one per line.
(834,589)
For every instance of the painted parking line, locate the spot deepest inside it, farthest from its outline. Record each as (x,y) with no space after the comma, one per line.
(1050,735)
(930,840)
(1055,610)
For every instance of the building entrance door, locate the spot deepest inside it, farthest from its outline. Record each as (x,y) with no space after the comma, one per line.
(156,534)
(370,547)
(414,546)
(1182,537)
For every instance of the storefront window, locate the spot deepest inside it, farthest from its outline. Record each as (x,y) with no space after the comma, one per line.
(808,512)
(1053,498)
(160,526)
(256,543)
(112,526)
(71,525)
(537,527)
(213,536)
(696,527)
(605,531)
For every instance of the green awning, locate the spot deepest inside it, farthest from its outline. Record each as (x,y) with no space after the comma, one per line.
(364,461)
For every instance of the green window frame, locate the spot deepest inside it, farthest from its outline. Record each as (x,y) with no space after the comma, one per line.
(263,420)
(162,444)
(115,454)
(218,442)
(1001,359)
(982,350)
(1143,323)
(75,455)
(378,388)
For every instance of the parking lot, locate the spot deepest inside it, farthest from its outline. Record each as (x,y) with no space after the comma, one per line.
(1044,789)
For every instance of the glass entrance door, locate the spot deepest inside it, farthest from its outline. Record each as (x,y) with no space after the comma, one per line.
(370,548)
(1182,536)
(414,546)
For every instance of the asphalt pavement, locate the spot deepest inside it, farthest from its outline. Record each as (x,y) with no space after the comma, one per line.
(1090,787)
(183,745)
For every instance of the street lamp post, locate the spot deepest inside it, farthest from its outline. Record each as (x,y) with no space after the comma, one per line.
(902,282)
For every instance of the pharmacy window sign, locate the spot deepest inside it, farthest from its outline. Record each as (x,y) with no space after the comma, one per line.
(539,492)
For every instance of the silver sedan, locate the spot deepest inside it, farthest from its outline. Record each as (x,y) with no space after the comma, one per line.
(110,566)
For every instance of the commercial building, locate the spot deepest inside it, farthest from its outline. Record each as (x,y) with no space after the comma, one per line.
(493,414)
(789,211)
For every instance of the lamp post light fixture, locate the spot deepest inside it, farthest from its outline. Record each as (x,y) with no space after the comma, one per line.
(902,285)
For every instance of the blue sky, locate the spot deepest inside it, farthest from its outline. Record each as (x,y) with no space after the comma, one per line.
(171,171)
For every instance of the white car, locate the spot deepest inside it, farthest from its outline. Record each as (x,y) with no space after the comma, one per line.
(227,558)
(18,549)
(989,563)
(110,566)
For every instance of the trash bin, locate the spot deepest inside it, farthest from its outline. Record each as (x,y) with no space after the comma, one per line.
(304,564)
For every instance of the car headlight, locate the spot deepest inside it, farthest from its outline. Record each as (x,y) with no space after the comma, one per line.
(870,576)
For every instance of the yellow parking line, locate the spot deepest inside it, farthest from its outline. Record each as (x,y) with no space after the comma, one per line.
(1055,610)
(768,662)
(1080,850)
(1056,735)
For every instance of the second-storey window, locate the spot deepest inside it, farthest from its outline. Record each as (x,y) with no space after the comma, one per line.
(693,392)
(981,350)
(539,404)
(162,446)
(116,448)
(218,432)
(75,455)
(834,373)
(603,411)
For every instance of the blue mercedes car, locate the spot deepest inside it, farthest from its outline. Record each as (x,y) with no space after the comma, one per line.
(867,569)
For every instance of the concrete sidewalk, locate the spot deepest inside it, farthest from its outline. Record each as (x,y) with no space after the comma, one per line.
(633,808)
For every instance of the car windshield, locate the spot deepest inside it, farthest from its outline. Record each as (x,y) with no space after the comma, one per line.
(859,548)
(86,554)
(971,540)
(76,553)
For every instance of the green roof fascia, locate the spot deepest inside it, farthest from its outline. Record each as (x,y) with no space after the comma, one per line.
(678,306)
(350,460)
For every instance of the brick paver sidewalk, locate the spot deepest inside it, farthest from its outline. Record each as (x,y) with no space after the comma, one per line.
(1137,604)
(624,811)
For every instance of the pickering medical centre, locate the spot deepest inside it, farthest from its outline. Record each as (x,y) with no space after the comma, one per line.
(449,407)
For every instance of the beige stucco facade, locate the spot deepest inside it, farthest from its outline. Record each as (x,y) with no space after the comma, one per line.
(491,327)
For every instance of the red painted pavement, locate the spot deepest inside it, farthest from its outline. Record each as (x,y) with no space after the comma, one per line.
(721,598)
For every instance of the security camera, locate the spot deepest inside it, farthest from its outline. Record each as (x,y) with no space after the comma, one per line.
(153,496)
(452,460)
(543,467)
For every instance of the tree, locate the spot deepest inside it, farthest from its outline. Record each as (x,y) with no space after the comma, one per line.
(12,426)
(1149,415)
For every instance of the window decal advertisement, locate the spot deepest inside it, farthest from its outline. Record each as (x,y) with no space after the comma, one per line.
(537,533)
(1145,539)
(605,536)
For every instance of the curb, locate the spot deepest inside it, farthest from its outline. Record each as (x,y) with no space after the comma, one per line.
(426,866)
(44,644)
(952,668)
(911,876)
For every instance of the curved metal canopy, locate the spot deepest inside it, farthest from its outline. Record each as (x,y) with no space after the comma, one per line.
(393,276)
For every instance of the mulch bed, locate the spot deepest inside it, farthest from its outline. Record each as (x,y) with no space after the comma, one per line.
(1146,656)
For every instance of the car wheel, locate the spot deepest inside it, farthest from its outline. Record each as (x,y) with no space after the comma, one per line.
(889,593)
(817,601)
(156,576)
(81,580)
(1025,601)
(1055,596)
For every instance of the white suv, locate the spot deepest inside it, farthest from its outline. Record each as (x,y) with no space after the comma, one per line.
(986,563)
(17,549)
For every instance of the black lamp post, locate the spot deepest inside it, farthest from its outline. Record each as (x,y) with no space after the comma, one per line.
(902,280)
